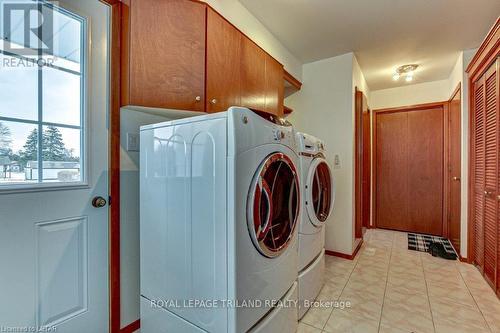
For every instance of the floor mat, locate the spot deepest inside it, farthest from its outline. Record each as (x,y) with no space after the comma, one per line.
(420,242)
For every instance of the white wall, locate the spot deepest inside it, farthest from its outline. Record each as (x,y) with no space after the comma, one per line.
(130,121)
(427,92)
(238,15)
(324,108)
(358,80)
(466,58)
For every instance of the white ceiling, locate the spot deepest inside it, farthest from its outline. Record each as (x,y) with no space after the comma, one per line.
(384,34)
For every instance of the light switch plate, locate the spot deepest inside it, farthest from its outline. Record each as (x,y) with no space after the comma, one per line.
(132,142)
(336,162)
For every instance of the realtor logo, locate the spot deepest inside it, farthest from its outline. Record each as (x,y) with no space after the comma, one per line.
(27,27)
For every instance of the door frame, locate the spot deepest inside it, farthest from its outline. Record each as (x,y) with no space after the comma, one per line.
(115,7)
(447,181)
(416,107)
(359,163)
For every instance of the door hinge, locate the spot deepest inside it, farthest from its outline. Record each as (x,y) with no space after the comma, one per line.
(109,200)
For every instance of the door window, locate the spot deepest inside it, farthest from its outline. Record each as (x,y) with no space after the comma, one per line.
(42,91)
(274,205)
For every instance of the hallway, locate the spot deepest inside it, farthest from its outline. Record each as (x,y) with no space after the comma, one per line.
(392,289)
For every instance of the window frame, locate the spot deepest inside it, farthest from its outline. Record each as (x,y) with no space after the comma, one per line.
(84,181)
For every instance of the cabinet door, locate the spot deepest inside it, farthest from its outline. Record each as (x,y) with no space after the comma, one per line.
(274,86)
(253,71)
(223,63)
(167,54)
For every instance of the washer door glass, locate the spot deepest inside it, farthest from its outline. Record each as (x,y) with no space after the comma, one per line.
(273,205)
(320,192)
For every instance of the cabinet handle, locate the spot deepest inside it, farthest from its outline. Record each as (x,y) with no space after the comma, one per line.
(498,197)
(487,193)
(198,98)
(213,101)
(456,178)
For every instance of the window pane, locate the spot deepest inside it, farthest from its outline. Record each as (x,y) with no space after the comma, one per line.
(18,88)
(65,38)
(15,33)
(18,153)
(61,97)
(61,154)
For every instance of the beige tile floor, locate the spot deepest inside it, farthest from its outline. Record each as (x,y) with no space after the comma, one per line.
(394,290)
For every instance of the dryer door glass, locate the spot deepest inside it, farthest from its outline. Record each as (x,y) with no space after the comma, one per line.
(319,199)
(274,205)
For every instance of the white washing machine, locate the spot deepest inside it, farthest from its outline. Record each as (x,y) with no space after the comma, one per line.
(220,203)
(318,189)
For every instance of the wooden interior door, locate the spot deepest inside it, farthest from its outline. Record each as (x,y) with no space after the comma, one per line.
(498,173)
(367,166)
(485,173)
(478,174)
(363,163)
(491,155)
(425,170)
(223,63)
(454,170)
(167,68)
(392,171)
(409,170)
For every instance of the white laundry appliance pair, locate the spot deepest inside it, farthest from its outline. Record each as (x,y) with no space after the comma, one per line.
(220,201)
(318,189)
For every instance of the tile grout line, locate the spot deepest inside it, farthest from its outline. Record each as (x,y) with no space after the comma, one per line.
(474,299)
(386,282)
(338,298)
(427,292)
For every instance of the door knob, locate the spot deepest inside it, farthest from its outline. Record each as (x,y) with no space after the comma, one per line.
(198,98)
(98,202)
(487,193)
(456,179)
(213,101)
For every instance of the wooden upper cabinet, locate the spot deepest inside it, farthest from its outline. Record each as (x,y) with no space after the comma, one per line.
(223,63)
(274,87)
(180,54)
(167,54)
(253,75)
(262,86)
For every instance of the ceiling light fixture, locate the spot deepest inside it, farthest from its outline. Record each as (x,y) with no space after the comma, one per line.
(406,70)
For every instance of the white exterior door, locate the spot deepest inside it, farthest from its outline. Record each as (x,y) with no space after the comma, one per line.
(53,162)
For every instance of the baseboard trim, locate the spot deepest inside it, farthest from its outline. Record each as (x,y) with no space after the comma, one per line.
(132,327)
(344,255)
